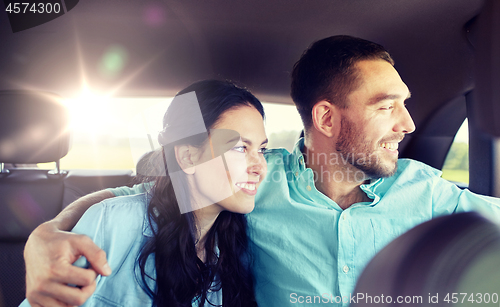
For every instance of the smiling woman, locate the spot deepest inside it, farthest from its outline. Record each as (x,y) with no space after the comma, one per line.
(183,242)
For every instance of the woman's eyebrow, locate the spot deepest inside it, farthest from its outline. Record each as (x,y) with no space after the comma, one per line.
(233,140)
(245,140)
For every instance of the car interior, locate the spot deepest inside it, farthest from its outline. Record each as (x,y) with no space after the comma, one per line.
(462,249)
(140,53)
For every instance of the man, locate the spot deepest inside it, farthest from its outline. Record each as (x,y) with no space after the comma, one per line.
(324,210)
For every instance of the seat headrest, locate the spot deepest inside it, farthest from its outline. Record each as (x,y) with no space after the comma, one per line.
(450,254)
(34,127)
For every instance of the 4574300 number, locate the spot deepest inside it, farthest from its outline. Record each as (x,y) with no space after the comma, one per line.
(477,298)
(39,8)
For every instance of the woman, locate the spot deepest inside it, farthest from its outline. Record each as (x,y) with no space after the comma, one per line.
(192,251)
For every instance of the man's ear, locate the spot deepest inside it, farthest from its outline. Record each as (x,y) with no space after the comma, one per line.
(324,116)
(185,156)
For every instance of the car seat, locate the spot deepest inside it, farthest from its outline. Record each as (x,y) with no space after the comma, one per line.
(458,253)
(33,129)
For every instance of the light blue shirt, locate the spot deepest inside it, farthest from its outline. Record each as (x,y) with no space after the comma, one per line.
(308,251)
(135,189)
(120,227)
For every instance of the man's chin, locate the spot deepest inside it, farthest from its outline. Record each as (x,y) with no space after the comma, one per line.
(379,170)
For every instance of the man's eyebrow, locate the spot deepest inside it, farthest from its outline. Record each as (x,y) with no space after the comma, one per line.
(382,97)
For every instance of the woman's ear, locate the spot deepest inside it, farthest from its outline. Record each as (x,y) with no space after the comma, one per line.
(185,154)
(324,116)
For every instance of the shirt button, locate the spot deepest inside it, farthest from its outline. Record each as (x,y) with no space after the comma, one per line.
(308,188)
(301,160)
(296,174)
(345,269)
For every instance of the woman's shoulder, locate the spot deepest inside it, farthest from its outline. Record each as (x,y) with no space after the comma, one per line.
(125,211)
(117,215)
(134,203)
(117,225)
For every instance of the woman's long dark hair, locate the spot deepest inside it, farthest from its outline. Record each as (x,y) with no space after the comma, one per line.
(180,275)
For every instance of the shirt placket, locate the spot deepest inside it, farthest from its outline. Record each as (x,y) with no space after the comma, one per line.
(345,258)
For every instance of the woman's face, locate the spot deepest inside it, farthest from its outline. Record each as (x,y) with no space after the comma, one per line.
(231,179)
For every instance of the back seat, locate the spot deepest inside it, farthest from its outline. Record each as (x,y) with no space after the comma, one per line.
(34,129)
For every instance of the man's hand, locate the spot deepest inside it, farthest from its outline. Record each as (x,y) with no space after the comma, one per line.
(49,255)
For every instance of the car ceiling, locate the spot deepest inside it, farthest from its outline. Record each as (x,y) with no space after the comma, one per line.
(254,43)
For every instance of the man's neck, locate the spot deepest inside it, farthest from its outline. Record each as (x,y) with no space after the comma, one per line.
(335,177)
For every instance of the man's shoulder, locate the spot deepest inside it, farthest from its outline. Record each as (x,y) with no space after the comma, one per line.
(411,168)
(276,152)
(277,157)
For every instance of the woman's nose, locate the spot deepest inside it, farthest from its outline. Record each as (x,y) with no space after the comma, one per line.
(256,164)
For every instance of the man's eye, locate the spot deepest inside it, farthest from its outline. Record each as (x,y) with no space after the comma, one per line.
(387,108)
(240,148)
(263,150)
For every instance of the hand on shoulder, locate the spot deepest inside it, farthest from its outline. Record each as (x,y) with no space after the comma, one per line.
(49,255)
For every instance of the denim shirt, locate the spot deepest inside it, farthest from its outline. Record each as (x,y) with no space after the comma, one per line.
(120,227)
(309,252)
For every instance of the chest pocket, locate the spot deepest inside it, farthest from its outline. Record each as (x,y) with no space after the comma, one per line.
(128,301)
(386,230)
(102,301)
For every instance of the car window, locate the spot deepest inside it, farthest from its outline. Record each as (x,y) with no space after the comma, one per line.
(103,135)
(113,133)
(283,125)
(456,165)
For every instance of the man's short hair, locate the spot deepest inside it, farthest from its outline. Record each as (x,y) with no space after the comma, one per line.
(326,71)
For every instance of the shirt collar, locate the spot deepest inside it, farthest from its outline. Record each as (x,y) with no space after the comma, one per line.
(146,227)
(371,189)
(297,161)
(373,184)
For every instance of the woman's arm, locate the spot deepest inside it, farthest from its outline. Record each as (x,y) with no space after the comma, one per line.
(50,252)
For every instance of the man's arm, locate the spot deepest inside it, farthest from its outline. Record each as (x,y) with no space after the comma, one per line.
(50,252)
(448,198)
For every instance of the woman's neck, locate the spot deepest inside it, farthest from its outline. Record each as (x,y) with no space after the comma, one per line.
(205,219)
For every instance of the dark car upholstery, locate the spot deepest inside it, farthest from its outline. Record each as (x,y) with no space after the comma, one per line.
(433,262)
(34,129)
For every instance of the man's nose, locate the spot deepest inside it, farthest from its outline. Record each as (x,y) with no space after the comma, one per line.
(405,123)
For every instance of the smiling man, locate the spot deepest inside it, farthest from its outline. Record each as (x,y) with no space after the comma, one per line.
(341,195)
(376,113)
(365,127)
(325,209)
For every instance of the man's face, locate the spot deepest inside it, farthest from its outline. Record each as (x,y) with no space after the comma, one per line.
(375,120)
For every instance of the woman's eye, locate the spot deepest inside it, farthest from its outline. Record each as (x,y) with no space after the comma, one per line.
(263,150)
(240,148)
